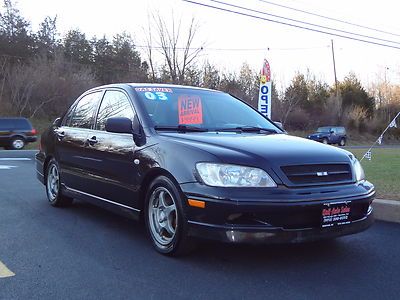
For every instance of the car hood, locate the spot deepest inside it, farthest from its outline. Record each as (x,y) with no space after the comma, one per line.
(261,149)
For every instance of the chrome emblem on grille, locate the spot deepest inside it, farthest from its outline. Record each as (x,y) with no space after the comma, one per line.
(322,174)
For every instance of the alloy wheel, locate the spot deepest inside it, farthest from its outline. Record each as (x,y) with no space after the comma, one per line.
(53,182)
(162,216)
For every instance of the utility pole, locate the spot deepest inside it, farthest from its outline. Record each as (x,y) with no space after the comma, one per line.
(334,68)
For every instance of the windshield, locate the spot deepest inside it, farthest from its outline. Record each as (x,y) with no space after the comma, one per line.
(324,129)
(209,110)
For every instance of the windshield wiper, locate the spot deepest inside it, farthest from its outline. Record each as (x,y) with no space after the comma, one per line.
(247,129)
(180,128)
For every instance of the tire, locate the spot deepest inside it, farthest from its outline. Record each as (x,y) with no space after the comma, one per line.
(325,141)
(53,186)
(17,143)
(342,142)
(165,221)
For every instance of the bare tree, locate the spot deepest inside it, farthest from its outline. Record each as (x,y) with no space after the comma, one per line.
(149,49)
(295,95)
(3,70)
(176,48)
(45,85)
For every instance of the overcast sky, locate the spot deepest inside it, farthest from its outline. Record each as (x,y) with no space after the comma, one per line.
(291,49)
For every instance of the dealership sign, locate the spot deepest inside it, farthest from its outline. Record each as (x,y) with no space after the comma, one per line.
(264,96)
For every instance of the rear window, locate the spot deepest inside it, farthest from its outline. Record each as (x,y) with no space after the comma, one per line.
(83,116)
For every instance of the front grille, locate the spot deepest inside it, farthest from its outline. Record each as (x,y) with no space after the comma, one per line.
(318,174)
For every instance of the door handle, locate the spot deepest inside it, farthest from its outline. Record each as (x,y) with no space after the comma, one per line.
(60,134)
(92,141)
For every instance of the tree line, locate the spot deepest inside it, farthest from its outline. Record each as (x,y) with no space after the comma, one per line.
(42,72)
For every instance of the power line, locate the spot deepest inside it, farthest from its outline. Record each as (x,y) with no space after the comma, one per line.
(292,25)
(303,22)
(329,18)
(233,49)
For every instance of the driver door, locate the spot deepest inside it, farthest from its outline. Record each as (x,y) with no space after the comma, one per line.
(114,176)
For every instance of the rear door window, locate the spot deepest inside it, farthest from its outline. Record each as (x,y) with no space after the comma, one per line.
(114,104)
(83,116)
(6,124)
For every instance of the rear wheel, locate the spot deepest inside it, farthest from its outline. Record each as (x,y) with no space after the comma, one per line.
(53,186)
(165,221)
(17,143)
(342,142)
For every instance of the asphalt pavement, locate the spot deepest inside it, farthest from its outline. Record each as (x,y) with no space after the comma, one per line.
(84,252)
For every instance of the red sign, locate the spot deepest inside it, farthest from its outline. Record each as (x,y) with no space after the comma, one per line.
(335,211)
(190,110)
(266,71)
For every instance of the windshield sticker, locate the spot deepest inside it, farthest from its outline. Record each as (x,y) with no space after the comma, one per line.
(190,110)
(156,96)
(155,89)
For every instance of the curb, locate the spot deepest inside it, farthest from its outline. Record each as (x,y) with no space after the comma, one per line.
(386,210)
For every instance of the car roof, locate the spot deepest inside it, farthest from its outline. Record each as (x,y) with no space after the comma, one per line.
(12,118)
(133,85)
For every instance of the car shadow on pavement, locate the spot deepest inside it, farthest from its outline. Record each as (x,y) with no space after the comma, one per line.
(256,255)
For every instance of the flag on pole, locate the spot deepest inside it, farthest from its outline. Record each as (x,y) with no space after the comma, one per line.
(264,97)
(393,124)
(368,155)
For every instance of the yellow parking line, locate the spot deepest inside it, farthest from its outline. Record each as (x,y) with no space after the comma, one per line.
(4,271)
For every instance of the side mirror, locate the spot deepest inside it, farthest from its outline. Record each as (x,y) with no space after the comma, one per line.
(331,131)
(125,125)
(119,125)
(57,122)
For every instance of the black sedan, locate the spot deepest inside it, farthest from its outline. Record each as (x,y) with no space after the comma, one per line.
(198,163)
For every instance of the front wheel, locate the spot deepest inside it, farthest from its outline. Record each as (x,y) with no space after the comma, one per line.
(325,141)
(53,186)
(165,221)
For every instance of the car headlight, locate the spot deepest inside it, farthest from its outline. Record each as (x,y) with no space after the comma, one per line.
(358,170)
(225,175)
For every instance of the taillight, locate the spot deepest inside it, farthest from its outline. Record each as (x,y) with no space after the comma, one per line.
(33,131)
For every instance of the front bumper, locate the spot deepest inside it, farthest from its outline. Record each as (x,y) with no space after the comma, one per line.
(279,218)
(271,235)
